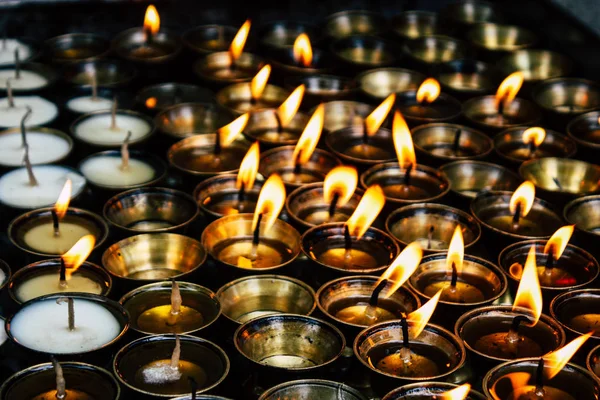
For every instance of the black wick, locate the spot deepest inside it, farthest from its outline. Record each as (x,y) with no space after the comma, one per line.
(256,236)
(407,175)
(347,238)
(404,325)
(517,216)
(456,143)
(375,295)
(333,204)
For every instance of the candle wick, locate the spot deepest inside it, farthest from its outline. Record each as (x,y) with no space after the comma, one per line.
(539,379)
(430,236)
(176,354)
(532,148)
(278,121)
(550,261)
(125,152)
(256,234)
(17,64)
(297,166)
(376,292)
(365,132)
(456,144)
(242,193)
(501,107)
(557,183)
(149,35)
(5,40)
(193,387)
(94,83)
(9,94)
(62,274)
(32,180)
(333,205)
(404,325)
(218,148)
(55,223)
(176,301)
(71,307)
(513,337)
(347,239)
(61,391)
(517,216)
(407,175)
(113,115)
(454,276)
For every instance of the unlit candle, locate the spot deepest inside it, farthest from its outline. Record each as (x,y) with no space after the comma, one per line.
(44,148)
(87,104)
(28,80)
(97,129)
(43,111)
(7,51)
(108,171)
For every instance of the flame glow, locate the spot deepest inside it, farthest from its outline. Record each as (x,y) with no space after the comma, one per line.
(248,168)
(270,202)
(459,393)
(342,181)
(421,316)
(517,380)
(230,131)
(375,119)
(289,108)
(456,251)
(151,20)
(78,254)
(529,294)
(402,267)
(558,242)
(524,195)
(403,142)
(429,91)
(303,53)
(151,102)
(64,198)
(368,209)
(535,135)
(508,89)
(310,137)
(555,361)
(259,82)
(239,41)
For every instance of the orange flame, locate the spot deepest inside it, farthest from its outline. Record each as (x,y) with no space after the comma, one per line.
(151,102)
(402,267)
(290,106)
(229,132)
(524,195)
(428,91)
(555,361)
(558,242)
(303,53)
(518,380)
(421,316)
(259,82)
(342,181)
(367,210)
(456,250)
(239,41)
(64,198)
(459,393)
(508,89)
(248,168)
(270,202)
(151,20)
(78,254)
(529,294)
(403,142)
(310,137)
(535,135)
(376,118)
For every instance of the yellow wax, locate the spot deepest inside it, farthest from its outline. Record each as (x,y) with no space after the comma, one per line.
(155,320)
(70,395)
(240,254)
(48,284)
(352,259)
(462,293)
(41,237)
(408,365)
(357,315)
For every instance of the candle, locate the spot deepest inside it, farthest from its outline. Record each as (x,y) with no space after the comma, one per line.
(45,146)
(43,111)
(103,128)
(300,59)
(428,104)
(88,104)
(40,236)
(576,311)
(27,80)
(516,145)
(8,49)
(106,169)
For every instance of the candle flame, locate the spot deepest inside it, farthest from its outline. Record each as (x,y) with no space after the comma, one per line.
(403,142)
(151,20)
(290,106)
(529,293)
(259,82)
(342,181)
(376,118)
(517,380)
(270,202)
(230,131)
(558,242)
(555,361)
(456,250)
(248,168)
(421,316)
(78,254)
(525,196)
(310,137)
(402,267)
(239,41)
(367,210)
(508,89)
(429,91)
(458,393)
(64,198)
(303,53)
(536,135)
(151,102)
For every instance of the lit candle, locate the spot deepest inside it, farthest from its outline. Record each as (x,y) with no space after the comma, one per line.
(45,146)
(428,104)
(8,48)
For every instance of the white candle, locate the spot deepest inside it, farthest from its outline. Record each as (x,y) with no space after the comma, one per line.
(44,148)
(28,80)
(107,171)
(7,51)
(43,111)
(87,104)
(15,190)
(96,129)
(43,326)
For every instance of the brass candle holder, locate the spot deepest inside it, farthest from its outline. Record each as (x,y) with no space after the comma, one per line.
(151,210)
(536,65)
(238,99)
(354,22)
(582,212)
(259,295)
(108,73)
(189,119)
(219,196)
(440,143)
(218,70)
(76,47)
(279,35)
(422,390)
(155,98)
(362,52)
(592,361)
(150,306)
(344,113)
(492,41)
(285,63)
(466,78)
(466,13)
(350,145)
(264,126)
(138,46)
(323,88)
(510,146)
(432,226)
(206,39)
(574,311)
(585,131)
(415,24)
(482,112)
(429,51)
(377,84)
(314,388)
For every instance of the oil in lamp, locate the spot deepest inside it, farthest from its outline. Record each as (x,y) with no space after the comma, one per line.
(300,60)
(441,390)
(576,312)
(427,104)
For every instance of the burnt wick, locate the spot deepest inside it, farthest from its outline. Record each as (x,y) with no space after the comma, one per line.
(539,379)
(333,205)
(193,387)
(17,64)
(256,233)
(62,275)
(241,193)
(55,223)
(454,276)
(376,292)
(217,149)
(430,236)
(517,216)
(407,175)
(404,325)
(297,166)
(347,239)
(456,143)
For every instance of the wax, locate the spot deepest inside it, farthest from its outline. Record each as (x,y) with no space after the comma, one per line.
(7,51)
(239,253)
(41,285)
(356,315)
(28,80)
(43,326)
(71,394)
(369,152)
(410,192)
(158,377)
(418,360)
(87,104)
(96,129)
(497,345)
(586,323)
(350,260)
(155,320)
(16,191)
(550,393)
(44,148)
(107,171)
(41,238)
(463,292)
(43,111)
(3,335)
(526,227)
